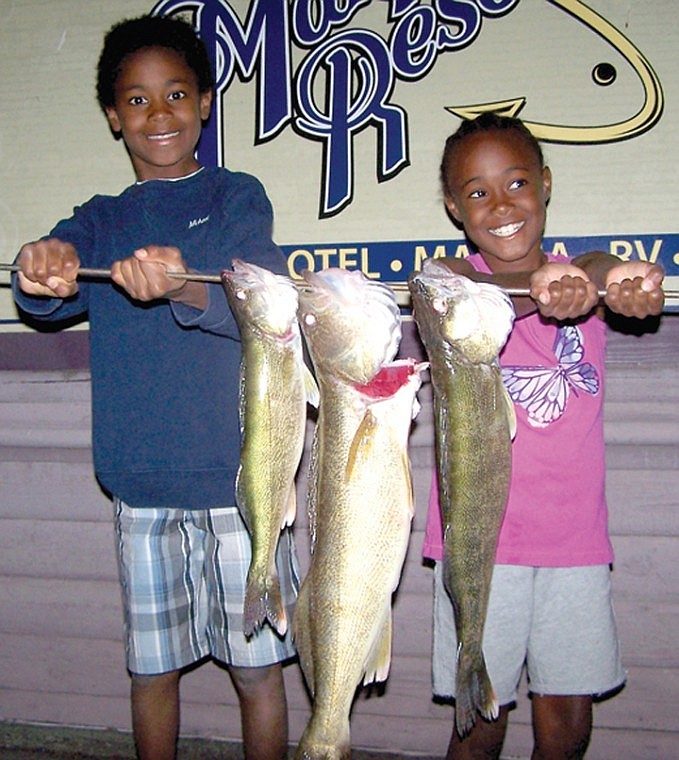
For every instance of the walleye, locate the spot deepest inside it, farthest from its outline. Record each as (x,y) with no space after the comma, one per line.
(463,325)
(273,397)
(360,496)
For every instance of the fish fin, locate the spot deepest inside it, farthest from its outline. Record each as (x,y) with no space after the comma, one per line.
(241,499)
(263,601)
(473,691)
(379,660)
(362,443)
(312,489)
(291,507)
(313,395)
(301,635)
(510,411)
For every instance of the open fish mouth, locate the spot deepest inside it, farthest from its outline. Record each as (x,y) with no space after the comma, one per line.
(339,305)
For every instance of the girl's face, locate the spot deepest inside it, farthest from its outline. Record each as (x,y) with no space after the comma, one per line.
(159,111)
(498,191)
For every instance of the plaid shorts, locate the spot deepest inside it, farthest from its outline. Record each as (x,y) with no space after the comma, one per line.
(183,576)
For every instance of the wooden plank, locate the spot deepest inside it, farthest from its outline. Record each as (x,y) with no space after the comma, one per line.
(57,549)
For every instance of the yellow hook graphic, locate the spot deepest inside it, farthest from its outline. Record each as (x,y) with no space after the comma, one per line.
(642,121)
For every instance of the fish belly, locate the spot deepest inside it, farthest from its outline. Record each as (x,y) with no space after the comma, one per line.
(273,409)
(473,462)
(363,511)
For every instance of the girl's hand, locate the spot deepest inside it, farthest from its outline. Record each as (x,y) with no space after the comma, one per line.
(634,289)
(48,268)
(562,291)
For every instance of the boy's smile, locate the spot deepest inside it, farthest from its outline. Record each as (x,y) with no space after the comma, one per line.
(159,111)
(499,193)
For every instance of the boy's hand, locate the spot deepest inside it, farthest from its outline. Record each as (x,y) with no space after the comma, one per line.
(144,274)
(562,291)
(48,268)
(145,277)
(634,289)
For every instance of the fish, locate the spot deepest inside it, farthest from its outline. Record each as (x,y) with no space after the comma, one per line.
(360,496)
(464,325)
(275,386)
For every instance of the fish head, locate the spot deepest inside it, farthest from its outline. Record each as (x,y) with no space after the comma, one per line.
(264,301)
(351,323)
(472,318)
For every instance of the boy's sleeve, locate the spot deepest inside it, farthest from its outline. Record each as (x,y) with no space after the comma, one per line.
(76,231)
(244,233)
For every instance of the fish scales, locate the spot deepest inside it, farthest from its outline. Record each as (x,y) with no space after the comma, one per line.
(463,326)
(360,500)
(273,397)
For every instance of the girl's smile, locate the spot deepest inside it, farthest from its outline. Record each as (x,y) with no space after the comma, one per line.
(498,191)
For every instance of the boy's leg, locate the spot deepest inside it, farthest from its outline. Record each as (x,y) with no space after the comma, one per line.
(483,742)
(264,711)
(155,715)
(562,726)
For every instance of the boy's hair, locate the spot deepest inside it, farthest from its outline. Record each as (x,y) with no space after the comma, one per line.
(489,121)
(130,35)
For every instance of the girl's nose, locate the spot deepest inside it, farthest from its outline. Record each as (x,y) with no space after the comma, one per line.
(501,203)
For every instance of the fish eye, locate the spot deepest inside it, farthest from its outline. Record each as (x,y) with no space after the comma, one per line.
(604,74)
(309,320)
(241,294)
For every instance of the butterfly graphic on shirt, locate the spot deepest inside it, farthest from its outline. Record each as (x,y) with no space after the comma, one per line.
(544,391)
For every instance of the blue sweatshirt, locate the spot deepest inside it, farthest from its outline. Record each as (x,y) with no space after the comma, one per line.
(165,377)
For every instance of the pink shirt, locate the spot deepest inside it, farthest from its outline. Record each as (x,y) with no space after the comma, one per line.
(556,512)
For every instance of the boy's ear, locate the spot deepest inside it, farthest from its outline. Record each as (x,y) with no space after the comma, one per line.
(205,104)
(113,120)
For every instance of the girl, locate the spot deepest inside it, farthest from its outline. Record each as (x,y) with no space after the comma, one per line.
(550,607)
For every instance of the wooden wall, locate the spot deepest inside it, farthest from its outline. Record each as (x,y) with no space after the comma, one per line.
(61,656)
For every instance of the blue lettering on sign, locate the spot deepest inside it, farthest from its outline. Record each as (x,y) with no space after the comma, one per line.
(343,84)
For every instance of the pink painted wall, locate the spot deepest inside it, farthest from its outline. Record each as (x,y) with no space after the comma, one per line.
(61,656)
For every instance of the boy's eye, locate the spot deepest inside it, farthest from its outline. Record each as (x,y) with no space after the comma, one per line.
(477,194)
(517,183)
(177,95)
(137,100)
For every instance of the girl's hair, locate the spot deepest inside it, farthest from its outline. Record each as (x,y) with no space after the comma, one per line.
(488,121)
(130,35)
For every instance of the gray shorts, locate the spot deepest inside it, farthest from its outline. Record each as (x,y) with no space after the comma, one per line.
(183,576)
(558,622)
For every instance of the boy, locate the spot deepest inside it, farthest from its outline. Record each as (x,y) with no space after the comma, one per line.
(165,363)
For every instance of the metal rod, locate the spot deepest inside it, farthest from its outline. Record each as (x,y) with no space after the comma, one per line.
(397,287)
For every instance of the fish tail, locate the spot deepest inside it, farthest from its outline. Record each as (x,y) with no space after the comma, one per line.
(474,691)
(263,601)
(313,747)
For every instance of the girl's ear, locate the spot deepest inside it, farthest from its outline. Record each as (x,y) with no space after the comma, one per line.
(547,182)
(113,120)
(452,208)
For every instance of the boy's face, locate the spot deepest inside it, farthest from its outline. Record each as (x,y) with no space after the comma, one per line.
(499,193)
(159,109)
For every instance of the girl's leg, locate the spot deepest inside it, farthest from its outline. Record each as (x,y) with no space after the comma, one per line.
(483,742)
(562,726)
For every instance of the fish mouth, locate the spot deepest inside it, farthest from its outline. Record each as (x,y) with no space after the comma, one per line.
(506,230)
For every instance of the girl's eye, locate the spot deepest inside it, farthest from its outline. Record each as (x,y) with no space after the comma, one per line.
(477,194)
(517,183)
(178,95)
(137,100)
